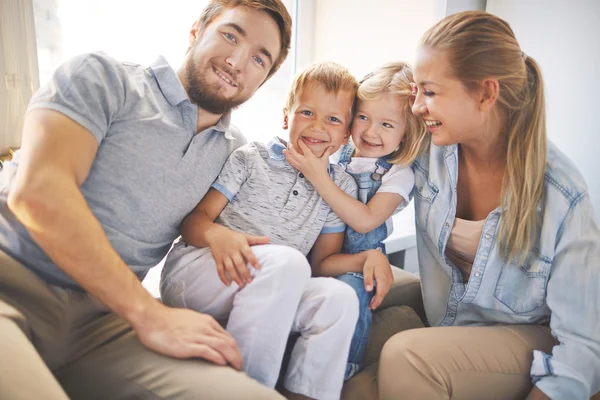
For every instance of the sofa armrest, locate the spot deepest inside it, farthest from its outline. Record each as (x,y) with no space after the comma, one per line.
(405,291)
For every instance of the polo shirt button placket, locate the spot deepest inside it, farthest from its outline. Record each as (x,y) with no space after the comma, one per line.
(295,193)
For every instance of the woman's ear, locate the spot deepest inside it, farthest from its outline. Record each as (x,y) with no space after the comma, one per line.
(490,90)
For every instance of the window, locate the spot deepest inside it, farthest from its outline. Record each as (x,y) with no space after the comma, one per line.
(136,31)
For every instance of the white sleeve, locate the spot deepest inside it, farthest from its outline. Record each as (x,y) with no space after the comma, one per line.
(398,180)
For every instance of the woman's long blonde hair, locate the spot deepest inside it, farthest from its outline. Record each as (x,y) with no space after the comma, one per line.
(480,45)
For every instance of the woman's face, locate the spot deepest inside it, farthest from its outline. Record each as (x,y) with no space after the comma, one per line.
(452,113)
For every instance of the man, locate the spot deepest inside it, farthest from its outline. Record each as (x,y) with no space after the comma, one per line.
(114,156)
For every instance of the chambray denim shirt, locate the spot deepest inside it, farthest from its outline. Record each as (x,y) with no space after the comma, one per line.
(558,283)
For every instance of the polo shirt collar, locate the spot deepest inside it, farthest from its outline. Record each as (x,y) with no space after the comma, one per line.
(275,149)
(168,81)
(175,93)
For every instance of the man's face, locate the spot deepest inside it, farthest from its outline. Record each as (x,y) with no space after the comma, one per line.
(230,59)
(319,118)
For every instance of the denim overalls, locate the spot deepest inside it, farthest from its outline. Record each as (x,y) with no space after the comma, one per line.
(354,242)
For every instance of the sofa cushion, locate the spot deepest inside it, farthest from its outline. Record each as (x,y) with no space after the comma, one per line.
(386,323)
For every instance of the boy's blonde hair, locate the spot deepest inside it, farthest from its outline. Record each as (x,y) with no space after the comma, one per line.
(332,76)
(395,79)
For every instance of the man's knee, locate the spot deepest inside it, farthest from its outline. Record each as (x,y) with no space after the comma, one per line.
(125,369)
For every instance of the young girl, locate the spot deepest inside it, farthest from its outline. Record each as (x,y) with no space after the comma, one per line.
(386,138)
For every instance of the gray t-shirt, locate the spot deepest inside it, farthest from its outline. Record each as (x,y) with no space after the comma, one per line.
(151,168)
(267,196)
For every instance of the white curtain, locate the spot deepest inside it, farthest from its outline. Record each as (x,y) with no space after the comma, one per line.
(18,68)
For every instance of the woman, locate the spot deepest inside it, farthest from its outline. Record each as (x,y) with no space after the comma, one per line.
(509,250)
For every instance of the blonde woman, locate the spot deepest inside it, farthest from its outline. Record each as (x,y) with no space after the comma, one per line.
(509,249)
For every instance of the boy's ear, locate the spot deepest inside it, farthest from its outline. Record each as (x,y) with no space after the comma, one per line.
(346,138)
(285,119)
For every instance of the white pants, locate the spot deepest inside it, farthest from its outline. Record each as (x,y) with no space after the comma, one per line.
(281,298)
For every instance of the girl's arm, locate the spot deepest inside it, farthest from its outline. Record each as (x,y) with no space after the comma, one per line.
(361,217)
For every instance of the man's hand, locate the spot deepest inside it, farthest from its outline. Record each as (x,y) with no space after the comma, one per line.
(232,254)
(182,333)
(377,268)
(310,165)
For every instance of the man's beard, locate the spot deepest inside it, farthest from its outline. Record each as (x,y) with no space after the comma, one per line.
(206,95)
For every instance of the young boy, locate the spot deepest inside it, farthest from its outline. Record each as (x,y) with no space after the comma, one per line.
(272,294)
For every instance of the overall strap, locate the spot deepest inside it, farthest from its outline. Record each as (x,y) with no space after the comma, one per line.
(346,154)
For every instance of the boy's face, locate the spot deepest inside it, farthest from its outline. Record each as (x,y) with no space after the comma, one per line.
(319,118)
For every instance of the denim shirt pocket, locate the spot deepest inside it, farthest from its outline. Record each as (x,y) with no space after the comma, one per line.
(523,288)
(425,193)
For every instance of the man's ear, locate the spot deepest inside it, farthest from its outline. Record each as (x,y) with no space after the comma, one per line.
(489,92)
(194,34)
(285,119)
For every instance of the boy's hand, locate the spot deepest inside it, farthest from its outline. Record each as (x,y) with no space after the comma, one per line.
(377,268)
(309,164)
(231,251)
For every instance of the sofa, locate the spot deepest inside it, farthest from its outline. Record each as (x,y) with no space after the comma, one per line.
(401,309)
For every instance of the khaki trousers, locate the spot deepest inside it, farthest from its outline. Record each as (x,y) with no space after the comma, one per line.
(58,344)
(483,363)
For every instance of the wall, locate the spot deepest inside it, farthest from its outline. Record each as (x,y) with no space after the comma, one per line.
(454,6)
(362,35)
(564,39)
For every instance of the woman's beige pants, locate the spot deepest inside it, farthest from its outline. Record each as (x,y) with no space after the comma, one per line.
(461,362)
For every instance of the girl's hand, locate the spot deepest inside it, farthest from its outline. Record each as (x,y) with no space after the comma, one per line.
(377,268)
(308,164)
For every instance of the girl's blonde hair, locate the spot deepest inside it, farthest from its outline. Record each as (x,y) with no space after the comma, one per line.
(395,79)
(480,45)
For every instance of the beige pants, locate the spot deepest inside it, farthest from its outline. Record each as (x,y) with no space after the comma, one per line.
(59,344)
(461,362)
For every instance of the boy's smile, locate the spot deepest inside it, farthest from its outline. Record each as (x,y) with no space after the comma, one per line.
(319,118)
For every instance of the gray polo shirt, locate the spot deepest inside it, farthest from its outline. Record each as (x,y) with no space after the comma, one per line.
(267,196)
(151,168)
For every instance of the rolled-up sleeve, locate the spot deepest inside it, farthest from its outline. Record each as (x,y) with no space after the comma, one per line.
(572,371)
(234,173)
(89,89)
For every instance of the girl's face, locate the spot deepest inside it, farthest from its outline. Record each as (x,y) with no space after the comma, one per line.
(379,126)
(452,113)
